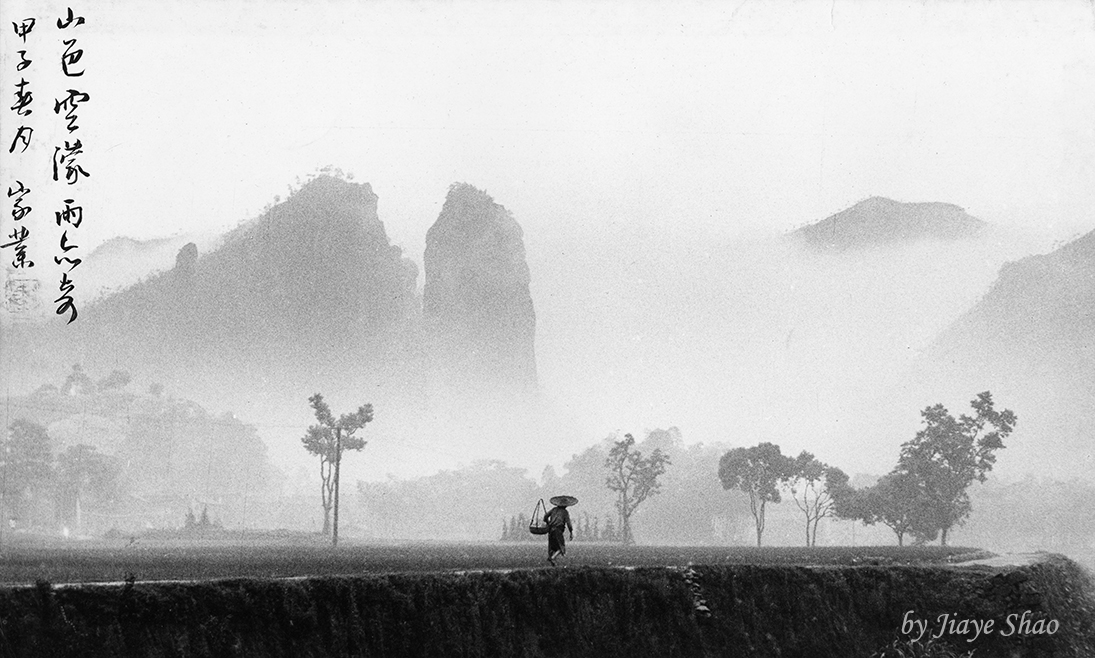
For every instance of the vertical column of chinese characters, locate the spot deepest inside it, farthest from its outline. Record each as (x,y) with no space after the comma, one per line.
(67,169)
(20,285)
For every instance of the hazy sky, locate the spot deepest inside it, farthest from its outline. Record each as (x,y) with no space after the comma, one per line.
(652,122)
(711,116)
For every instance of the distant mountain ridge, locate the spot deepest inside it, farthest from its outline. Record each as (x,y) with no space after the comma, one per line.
(316,275)
(311,295)
(126,245)
(881,221)
(122,261)
(1031,341)
(1045,297)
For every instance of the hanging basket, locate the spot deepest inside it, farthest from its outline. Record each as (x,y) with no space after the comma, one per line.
(537,525)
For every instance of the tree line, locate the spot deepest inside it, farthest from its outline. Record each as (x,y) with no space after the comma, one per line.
(586,528)
(925,496)
(92,455)
(34,484)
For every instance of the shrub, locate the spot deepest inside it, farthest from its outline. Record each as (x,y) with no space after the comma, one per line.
(909,648)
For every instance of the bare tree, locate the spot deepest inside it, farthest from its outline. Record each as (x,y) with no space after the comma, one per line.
(328,440)
(815,487)
(633,478)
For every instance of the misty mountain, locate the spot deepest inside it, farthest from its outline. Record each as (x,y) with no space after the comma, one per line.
(1031,341)
(880,221)
(744,339)
(121,262)
(314,276)
(476,300)
(732,340)
(1047,300)
(312,284)
(312,296)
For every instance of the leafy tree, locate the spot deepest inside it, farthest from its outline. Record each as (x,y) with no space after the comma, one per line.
(585,472)
(26,465)
(897,501)
(83,475)
(421,508)
(191,520)
(759,471)
(549,478)
(815,488)
(948,454)
(690,501)
(633,478)
(174,445)
(328,440)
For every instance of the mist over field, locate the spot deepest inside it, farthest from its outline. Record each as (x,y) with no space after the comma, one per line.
(726,338)
(695,344)
(522,236)
(750,338)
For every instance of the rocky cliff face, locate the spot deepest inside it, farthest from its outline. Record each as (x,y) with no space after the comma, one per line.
(318,269)
(316,274)
(312,296)
(312,286)
(479,315)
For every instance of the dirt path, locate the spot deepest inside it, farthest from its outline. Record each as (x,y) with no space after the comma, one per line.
(995,561)
(1011,559)
(1005,560)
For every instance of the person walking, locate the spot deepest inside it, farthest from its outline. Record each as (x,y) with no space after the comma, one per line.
(558,520)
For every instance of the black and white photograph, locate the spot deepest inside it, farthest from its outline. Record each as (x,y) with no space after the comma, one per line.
(480,328)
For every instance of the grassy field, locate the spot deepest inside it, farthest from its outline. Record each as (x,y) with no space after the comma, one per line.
(25,562)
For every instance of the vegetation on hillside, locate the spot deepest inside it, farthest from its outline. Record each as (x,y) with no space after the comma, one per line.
(91,455)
